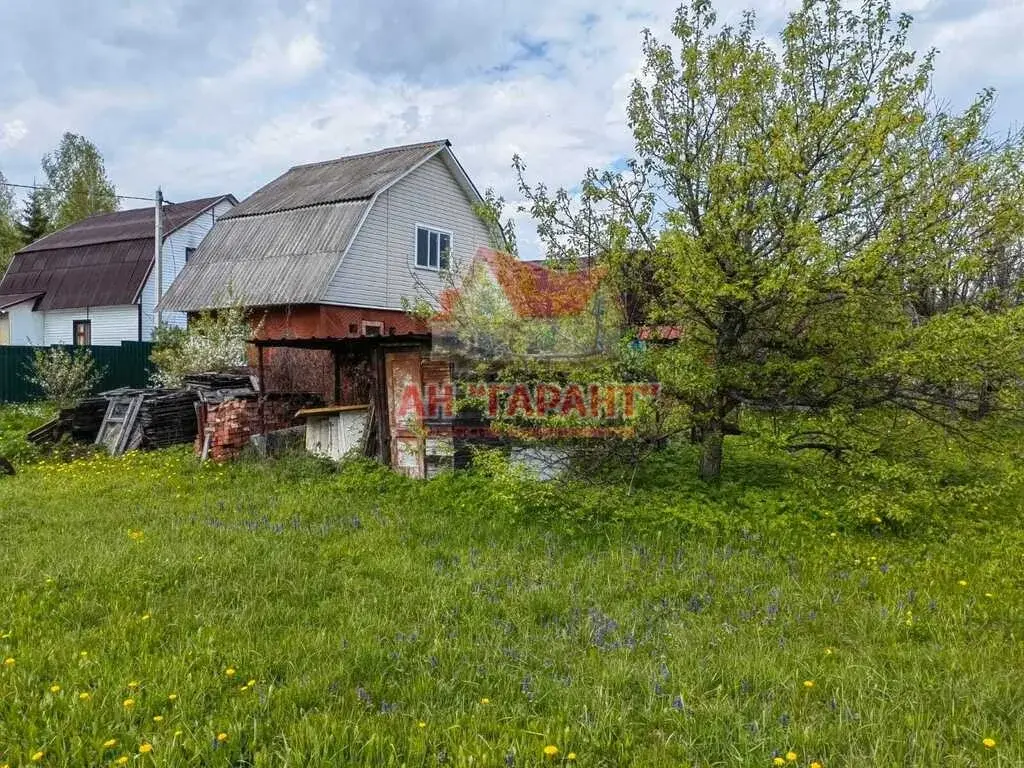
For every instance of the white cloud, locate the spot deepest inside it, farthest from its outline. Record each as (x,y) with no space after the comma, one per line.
(12,132)
(234,101)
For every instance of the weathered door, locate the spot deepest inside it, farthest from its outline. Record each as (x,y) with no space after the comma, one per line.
(405,393)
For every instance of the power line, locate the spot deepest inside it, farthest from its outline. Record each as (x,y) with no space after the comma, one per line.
(48,189)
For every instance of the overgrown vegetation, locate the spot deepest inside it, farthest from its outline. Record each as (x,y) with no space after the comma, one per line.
(291,614)
(64,377)
(213,342)
(828,242)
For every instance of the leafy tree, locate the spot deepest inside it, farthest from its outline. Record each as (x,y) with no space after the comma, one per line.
(78,182)
(34,222)
(214,342)
(9,239)
(822,234)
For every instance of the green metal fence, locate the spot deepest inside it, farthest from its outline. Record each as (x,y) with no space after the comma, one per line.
(124,366)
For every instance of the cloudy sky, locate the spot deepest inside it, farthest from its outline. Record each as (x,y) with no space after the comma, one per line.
(207,97)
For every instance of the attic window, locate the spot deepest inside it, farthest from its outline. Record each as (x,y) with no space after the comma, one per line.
(433,248)
(189,252)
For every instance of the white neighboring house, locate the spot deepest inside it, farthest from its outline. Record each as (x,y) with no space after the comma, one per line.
(94,283)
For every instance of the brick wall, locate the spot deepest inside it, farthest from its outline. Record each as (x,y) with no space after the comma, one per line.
(232,423)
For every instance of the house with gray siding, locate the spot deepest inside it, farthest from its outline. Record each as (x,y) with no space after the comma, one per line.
(340,248)
(94,282)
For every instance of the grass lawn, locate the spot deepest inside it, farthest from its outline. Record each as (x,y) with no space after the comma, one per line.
(153,612)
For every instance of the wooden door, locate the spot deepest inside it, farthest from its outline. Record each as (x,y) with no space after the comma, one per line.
(402,373)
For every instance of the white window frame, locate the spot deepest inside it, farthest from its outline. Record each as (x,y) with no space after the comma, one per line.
(431,229)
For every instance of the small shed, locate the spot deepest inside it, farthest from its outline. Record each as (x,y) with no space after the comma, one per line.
(336,431)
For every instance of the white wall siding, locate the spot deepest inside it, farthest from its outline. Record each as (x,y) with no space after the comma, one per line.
(173,257)
(380,267)
(110,325)
(26,326)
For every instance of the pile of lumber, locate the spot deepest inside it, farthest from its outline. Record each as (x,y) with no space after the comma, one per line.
(81,423)
(166,418)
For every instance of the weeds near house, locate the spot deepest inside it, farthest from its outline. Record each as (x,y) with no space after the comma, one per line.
(158,612)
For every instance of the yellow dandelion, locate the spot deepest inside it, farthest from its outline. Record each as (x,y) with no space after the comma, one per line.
(133,684)
(778,761)
(178,733)
(829,651)
(251,683)
(571,757)
(54,689)
(84,696)
(421,724)
(128,703)
(146,617)
(808,683)
(110,743)
(815,764)
(38,756)
(989,595)
(962,583)
(485,702)
(145,748)
(172,697)
(9,661)
(230,671)
(158,718)
(791,756)
(550,751)
(83,654)
(222,737)
(989,742)
(123,759)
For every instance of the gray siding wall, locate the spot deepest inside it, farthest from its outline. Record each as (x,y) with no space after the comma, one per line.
(380,267)
(173,257)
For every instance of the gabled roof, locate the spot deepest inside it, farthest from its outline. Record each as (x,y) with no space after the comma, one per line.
(355,177)
(284,243)
(119,226)
(103,260)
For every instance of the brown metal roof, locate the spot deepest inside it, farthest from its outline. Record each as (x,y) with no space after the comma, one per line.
(356,177)
(10,299)
(103,260)
(123,225)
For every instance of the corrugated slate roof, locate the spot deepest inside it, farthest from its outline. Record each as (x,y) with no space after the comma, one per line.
(100,261)
(269,259)
(356,177)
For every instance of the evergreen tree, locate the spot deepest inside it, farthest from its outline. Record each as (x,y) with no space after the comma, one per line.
(34,222)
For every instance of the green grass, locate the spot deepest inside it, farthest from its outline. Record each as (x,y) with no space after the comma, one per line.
(475,620)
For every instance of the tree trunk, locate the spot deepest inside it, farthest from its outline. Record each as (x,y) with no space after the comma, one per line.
(711,452)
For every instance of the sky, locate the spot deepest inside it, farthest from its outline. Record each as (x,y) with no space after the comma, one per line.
(204,98)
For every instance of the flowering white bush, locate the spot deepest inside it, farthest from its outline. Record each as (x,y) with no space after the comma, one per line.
(212,343)
(64,377)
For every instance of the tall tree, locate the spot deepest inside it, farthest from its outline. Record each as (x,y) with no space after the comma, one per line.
(34,222)
(10,240)
(77,180)
(797,204)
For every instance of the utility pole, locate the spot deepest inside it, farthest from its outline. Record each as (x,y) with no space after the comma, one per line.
(158,216)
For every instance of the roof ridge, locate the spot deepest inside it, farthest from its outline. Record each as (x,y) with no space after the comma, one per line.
(384,151)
